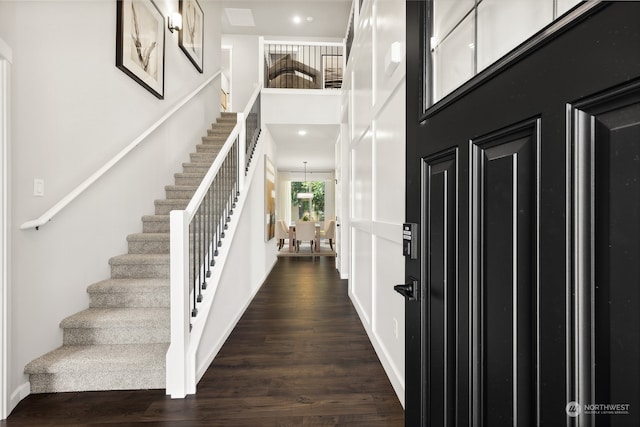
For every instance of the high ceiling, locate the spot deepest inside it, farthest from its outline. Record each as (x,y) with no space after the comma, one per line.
(275,18)
(317,146)
(322,19)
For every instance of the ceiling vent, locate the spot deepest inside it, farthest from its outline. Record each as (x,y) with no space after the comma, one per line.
(240,17)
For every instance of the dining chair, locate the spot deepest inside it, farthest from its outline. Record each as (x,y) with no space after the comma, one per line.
(329,232)
(305,231)
(282,232)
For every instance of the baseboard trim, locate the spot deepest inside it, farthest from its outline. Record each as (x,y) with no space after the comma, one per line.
(397,381)
(18,394)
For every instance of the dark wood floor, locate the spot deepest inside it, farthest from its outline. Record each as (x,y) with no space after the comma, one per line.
(299,356)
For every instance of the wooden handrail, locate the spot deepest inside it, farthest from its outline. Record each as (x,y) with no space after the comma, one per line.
(55,209)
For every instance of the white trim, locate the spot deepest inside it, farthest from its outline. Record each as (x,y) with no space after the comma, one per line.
(303,43)
(55,209)
(22,391)
(393,372)
(324,92)
(5,70)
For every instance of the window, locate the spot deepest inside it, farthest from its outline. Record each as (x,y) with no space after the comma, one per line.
(463,37)
(308,209)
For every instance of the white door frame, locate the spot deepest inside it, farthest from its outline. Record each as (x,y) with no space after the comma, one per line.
(228,51)
(5,75)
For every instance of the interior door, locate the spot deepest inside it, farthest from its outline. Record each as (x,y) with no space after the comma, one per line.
(525,185)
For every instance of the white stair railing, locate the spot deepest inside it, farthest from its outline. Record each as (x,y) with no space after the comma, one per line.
(197,234)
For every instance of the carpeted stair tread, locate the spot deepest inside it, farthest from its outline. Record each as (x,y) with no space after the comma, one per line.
(196,167)
(106,358)
(207,158)
(132,259)
(150,317)
(219,131)
(209,148)
(156,224)
(226,125)
(140,266)
(147,236)
(132,292)
(181,187)
(180,191)
(149,243)
(129,285)
(214,139)
(165,206)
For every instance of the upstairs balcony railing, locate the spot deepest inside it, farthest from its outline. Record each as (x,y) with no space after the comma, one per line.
(303,65)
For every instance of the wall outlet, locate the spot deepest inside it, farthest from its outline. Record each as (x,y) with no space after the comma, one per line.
(38,187)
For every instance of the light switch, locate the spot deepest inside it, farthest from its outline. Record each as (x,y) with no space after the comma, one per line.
(38,187)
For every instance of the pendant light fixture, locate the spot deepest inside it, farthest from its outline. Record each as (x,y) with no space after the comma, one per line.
(307,195)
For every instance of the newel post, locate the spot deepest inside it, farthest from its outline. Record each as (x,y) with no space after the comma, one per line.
(176,369)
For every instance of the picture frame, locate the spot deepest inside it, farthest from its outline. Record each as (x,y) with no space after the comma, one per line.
(191,36)
(140,43)
(331,71)
(269,198)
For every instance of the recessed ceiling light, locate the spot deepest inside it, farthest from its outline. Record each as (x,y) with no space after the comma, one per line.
(302,132)
(309,18)
(297,20)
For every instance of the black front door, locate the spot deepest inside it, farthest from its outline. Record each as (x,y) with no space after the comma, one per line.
(525,185)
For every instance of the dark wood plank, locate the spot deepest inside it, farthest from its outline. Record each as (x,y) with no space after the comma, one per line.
(298,357)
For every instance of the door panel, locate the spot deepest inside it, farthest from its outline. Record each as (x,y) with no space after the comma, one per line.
(608,210)
(530,268)
(442,298)
(505,277)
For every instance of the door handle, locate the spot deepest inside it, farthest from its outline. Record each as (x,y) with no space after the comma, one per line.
(409,290)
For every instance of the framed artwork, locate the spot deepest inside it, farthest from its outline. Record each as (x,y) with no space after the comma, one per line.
(191,37)
(269,198)
(331,71)
(140,43)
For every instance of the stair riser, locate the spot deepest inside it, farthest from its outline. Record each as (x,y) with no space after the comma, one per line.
(219,133)
(209,148)
(189,180)
(205,158)
(225,124)
(214,140)
(180,194)
(98,381)
(229,123)
(125,335)
(166,206)
(140,271)
(149,247)
(195,168)
(155,226)
(160,298)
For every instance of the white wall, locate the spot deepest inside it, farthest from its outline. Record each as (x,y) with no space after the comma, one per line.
(374,134)
(292,106)
(72,111)
(239,284)
(244,63)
